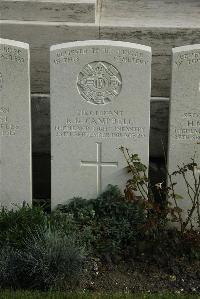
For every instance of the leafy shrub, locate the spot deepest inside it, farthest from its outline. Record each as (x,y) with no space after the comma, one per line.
(114,225)
(159,239)
(66,224)
(48,260)
(164,210)
(8,266)
(121,227)
(15,225)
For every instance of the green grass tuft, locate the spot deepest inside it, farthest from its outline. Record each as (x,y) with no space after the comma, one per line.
(59,295)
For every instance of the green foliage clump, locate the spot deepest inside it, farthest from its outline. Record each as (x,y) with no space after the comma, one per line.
(48,260)
(113,223)
(161,238)
(18,223)
(88,295)
(46,251)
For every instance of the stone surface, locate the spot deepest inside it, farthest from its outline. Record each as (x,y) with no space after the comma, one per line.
(41,142)
(15,129)
(162,40)
(40,36)
(100,100)
(177,23)
(41,125)
(79,11)
(141,13)
(184,135)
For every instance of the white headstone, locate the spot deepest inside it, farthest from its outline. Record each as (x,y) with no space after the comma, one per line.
(184,133)
(15,126)
(100,100)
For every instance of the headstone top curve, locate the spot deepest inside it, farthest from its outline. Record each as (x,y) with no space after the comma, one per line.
(100,43)
(186,48)
(14,43)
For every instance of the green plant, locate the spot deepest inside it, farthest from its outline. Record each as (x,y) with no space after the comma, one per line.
(156,201)
(139,186)
(191,178)
(49,260)
(8,267)
(16,224)
(88,295)
(113,223)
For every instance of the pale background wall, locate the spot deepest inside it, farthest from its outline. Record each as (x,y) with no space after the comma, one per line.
(157,23)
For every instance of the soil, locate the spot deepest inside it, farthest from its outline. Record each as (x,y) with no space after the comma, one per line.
(178,276)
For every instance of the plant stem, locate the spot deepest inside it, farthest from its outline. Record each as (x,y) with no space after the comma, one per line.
(175,201)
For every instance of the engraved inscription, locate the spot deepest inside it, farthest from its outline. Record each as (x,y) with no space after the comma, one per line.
(7,127)
(188,58)
(189,130)
(121,56)
(99,83)
(11,53)
(99,124)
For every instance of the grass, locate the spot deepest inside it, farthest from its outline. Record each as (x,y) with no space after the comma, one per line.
(74,295)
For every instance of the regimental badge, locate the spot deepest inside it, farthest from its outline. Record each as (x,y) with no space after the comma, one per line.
(99,83)
(1,81)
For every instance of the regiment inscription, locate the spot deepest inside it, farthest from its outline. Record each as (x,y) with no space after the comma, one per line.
(99,83)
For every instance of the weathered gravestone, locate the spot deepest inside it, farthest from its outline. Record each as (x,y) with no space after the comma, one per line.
(100,99)
(184,133)
(15,127)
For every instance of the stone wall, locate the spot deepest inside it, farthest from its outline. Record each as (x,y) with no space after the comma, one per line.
(157,23)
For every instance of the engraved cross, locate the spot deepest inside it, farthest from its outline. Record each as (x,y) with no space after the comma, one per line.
(99,164)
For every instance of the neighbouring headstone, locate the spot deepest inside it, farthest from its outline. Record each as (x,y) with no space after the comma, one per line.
(15,124)
(100,100)
(184,126)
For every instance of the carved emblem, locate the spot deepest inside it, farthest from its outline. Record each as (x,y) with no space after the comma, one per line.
(1,81)
(99,83)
